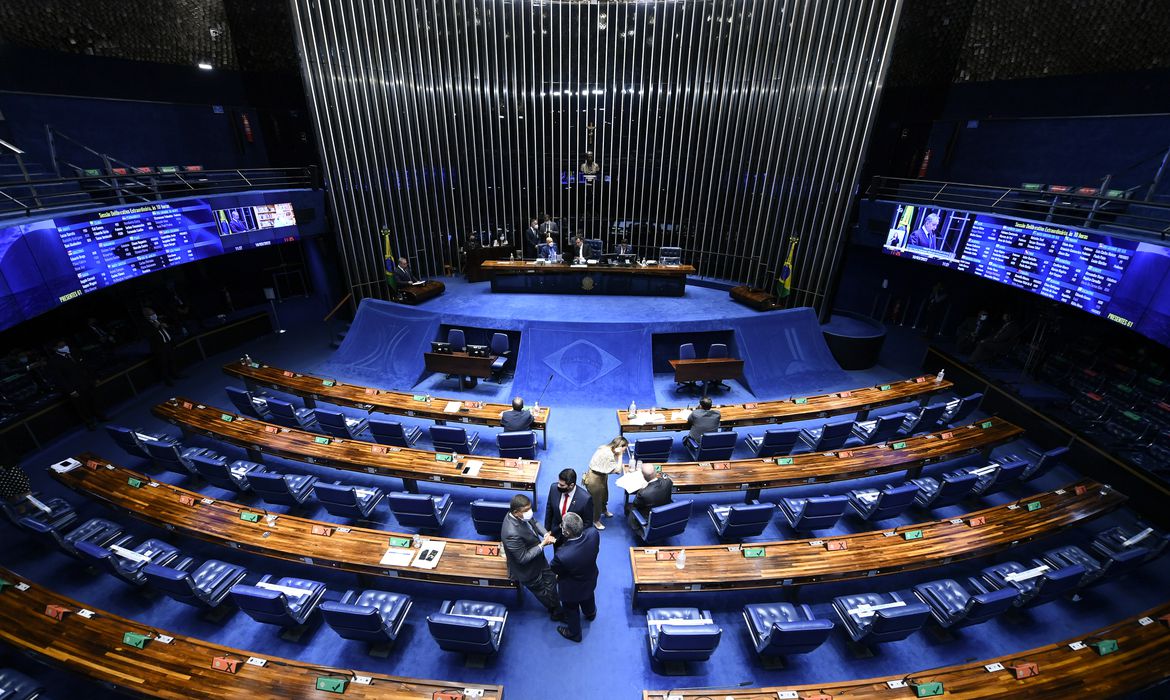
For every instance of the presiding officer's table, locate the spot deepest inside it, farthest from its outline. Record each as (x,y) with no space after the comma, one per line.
(312,388)
(473,266)
(562,278)
(707,370)
(410,465)
(859,401)
(173,666)
(461,364)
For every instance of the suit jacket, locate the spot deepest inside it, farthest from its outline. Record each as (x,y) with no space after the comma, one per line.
(922,239)
(575,564)
(516,420)
(624,249)
(656,493)
(159,344)
(575,251)
(548,251)
(68,375)
(403,276)
(532,236)
(703,421)
(521,539)
(581,504)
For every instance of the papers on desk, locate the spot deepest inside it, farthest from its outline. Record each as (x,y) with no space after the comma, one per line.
(65,465)
(644,417)
(397,556)
(631,481)
(428,554)
(680,415)
(453,407)
(415,284)
(129,554)
(472,466)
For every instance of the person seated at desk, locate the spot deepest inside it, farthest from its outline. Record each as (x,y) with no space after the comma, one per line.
(501,240)
(549,251)
(517,418)
(623,248)
(658,491)
(579,251)
(402,272)
(703,419)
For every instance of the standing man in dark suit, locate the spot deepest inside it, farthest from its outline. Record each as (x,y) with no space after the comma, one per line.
(524,542)
(566,497)
(162,346)
(703,419)
(658,491)
(575,564)
(531,238)
(70,375)
(517,418)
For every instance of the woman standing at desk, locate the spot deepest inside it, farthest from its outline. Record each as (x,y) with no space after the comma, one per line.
(607,459)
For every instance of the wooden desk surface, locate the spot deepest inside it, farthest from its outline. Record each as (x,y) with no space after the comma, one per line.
(375,400)
(182,669)
(457,362)
(797,562)
(523,266)
(839,465)
(1142,660)
(290,538)
(801,408)
(352,455)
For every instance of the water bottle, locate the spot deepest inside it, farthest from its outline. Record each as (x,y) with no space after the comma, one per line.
(941,373)
(536,407)
(633,412)
(681,561)
(416,541)
(428,398)
(511,257)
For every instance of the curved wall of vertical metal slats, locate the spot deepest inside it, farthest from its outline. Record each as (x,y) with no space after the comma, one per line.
(726,127)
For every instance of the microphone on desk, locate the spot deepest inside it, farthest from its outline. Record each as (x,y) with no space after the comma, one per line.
(670,693)
(550,378)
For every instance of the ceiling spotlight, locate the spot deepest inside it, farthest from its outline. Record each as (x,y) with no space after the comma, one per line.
(204,65)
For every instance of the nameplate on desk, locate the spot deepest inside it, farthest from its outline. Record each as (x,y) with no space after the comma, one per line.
(721,465)
(783,461)
(225,664)
(250,517)
(986,424)
(186,499)
(899,445)
(1105,646)
(1080,490)
(271,429)
(754,552)
(440,457)
(93,463)
(947,435)
(836,545)
(287,373)
(322,531)
(912,535)
(919,380)
(379,449)
(750,406)
(487,550)
(800,401)
(136,483)
(321,440)
(400,541)
(135,639)
(1034,505)
(329,382)
(884,387)
(844,394)
(258,662)
(418,397)
(188,405)
(666,556)
(57,612)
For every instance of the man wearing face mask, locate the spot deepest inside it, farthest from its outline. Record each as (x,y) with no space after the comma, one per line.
(72,377)
(524,542)
(972,331)
(162,346)
(566,497)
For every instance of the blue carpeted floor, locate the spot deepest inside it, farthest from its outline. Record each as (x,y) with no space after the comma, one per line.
(612,662)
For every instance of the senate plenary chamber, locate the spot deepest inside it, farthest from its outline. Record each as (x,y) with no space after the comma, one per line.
(584,349)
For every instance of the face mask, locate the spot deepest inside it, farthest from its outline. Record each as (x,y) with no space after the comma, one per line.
(526,515)
(153,318)
(64,349)
(564,489)
(982,317)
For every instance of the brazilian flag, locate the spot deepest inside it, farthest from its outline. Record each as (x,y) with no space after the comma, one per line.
(390,261)
(784,279)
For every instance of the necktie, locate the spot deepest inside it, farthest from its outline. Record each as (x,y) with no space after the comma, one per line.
(564,504)
(165,336)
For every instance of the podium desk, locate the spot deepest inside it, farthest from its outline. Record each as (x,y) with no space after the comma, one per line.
(461,364)
(418,293)
(707,370)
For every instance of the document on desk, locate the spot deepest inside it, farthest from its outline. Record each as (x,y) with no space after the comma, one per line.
(453,407)
(472,466)
(631,482)
(429,554)
(644,418)
(397,556)
(680,415)
(66,465)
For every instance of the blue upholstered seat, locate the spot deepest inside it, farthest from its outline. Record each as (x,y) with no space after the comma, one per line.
(128,568)
(286,414)
(488,517)
(173,456)
(1121,538)
(814,513)
(686,351)
(662,522)
(450,438)
(60,516)
(282,489)
(420,511)
(947,490)
(371,616)
(14,685)
(501,349)
(98,531)
(829,436)
(994,477)
(347,500)
(775,441)
(682,634)
(216,471)
(740,520)
(469,626)
(780,629)
(924,420)
(456,339)
(288,606)
(1032,586)
(882,504)
(960,409)
(247,403)
(519,444)
(868,623)
(388,432)
(131,440)
(653,449)
(952,606)
(880,429)
(337,424)
(206,587)
(1042,462)
(1096,571)
(711,446)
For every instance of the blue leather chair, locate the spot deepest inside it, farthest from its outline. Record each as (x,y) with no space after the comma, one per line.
(450,438)
(1033,590)
(502,350)
(711,446)
(374,617)
(960,409)
(888,502)
(98,531)
(953,606)
(284,413)
(282,489)
(717,350)
(247,404)
(654,449)
(829,436)
(348,501)
(129,569)
(686,351)
(1122,538)
(775,441)
(336,423)
(216,471)
(880,429)
(174,457)
(815,513)
(678,635)
(420,510)
(1042,462)
(740,520)
(781,629)
(924,421)
(388,432)
(288,606)
(994,477)
(662,522)
(1096,571)
(947,490)
(867,623)
(488,517)
(131,440)
(520,444)
(470,627)
(456,339)
(14,685)
(60,516)
(206,587)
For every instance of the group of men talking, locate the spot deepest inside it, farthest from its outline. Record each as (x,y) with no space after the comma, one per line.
(542,242)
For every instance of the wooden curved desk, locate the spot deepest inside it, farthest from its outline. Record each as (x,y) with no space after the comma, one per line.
(751,475)
(259,437)
(859,401)
(290,538)
(311,388)
(792,563)
(181,669)
(1142,660)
